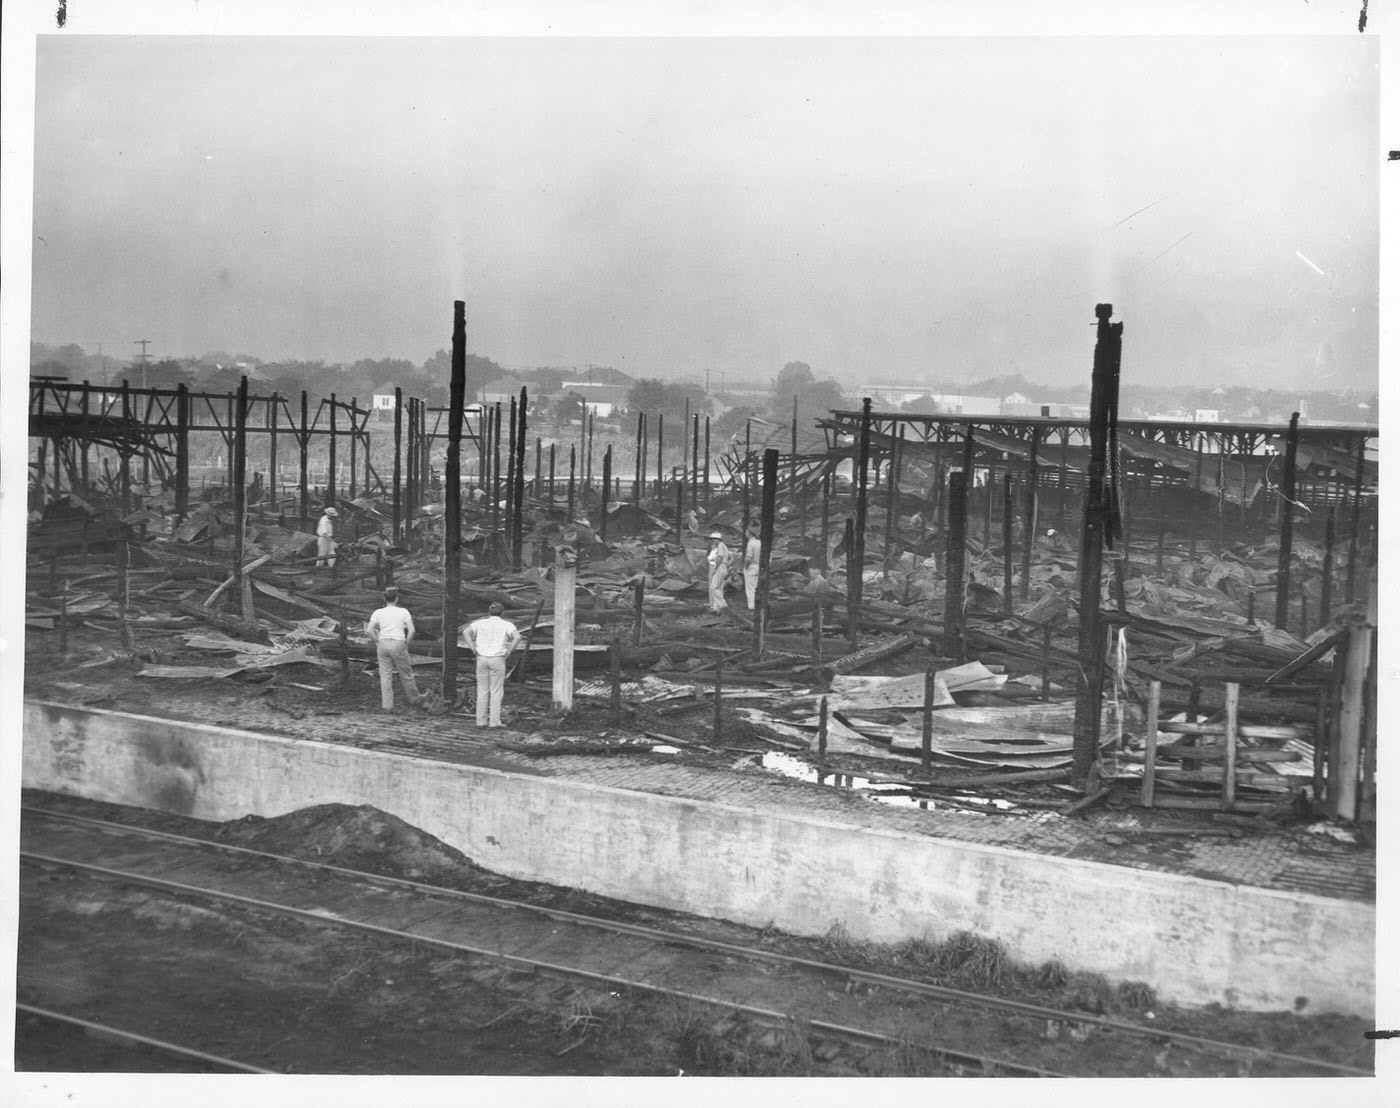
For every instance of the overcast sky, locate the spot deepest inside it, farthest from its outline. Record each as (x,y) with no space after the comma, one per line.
(900,209)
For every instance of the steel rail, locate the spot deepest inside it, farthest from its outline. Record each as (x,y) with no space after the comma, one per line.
(139,1040)
(867,977)
(761,1015)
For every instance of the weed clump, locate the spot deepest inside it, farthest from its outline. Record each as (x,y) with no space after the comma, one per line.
(970,960)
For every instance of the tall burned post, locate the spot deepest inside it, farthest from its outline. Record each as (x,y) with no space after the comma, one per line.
(452,507)
(1098,515)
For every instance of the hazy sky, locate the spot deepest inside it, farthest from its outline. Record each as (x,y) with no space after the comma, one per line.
(889,209)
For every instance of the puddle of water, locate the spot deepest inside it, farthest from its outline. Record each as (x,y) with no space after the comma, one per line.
(900,796)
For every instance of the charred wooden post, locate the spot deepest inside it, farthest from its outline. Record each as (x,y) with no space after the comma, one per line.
(822,726)
(354,445)
(83,450)
(452,503)
(1220,501)
(955,588)
(517,537)
(639,589)
(496,469)
(182,451)
(695,462)
(748,473)
(398,463)
(123,587)
(855,582)
(660,442)
(767,514)
(640,452)
(939,479)
(989,503)
(510,478)
(707,463)
(273,419)
(1032,522)
(680,511)
(590,418)
(425,470)
(853,585)
(1060,505)
(930,695)
(551,474)
(891,499)
(1196,523)
(410,462)
(1288,494)
(1097,520)
(573,465)
(825,555)
(539,457)
(817,631)
(240,499)
(330,464)
(1007,539)
(792,476)
(125,454)
(606,495)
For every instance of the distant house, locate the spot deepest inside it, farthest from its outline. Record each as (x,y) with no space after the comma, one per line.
(382,402)
(602,400)
(1206,415)
(502,390)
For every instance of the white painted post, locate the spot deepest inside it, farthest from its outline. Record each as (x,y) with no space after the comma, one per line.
(564,579)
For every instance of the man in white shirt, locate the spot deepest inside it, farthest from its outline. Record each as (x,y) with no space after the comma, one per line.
(492,639)
(753,557)
(325,538)
(391,629)
(720,559)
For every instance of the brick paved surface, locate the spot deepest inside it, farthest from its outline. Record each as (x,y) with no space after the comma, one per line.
(1261,854)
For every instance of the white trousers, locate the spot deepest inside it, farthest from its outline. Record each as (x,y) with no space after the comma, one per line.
(393,658)
(490,690)
(718,575)
(325,551)
(751,585)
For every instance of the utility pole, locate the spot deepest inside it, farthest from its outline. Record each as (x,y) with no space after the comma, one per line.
(143,343)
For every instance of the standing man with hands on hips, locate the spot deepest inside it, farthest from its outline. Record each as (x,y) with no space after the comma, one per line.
(492,639)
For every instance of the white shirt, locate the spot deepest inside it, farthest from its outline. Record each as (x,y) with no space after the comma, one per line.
(390,622)
(753,553)
(720,554)
(326,528)
(491,636)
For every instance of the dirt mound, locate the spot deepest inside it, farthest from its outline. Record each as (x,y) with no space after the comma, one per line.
(356,837)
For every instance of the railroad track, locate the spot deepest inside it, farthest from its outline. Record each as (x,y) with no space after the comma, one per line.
(203,1060)
(762,986)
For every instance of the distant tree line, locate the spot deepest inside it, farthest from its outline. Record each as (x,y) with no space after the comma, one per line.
(219,372)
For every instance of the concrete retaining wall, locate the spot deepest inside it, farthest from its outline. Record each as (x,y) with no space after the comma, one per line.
(1195,941)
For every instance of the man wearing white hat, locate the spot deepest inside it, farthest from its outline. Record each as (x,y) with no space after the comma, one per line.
(325,538)
(720,559)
